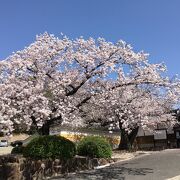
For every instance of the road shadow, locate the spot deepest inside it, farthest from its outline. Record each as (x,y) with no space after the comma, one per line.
(109,173)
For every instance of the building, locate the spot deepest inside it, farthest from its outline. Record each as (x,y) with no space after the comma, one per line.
(159,138)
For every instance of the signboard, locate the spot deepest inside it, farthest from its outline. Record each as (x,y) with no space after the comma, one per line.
(160,134)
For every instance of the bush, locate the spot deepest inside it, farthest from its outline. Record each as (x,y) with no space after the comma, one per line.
(50,147)
(94,146)
(17,150)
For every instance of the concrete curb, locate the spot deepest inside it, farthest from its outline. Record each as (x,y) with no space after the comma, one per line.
(122,160)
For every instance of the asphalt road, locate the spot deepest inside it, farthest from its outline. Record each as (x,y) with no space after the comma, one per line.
(157,166)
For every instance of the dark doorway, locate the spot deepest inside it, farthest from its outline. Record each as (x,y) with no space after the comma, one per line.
(177,133)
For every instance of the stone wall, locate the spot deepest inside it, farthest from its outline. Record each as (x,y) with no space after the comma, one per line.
(13,167)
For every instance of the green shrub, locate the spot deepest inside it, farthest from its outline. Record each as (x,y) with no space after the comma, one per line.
(17,150)
(94,146)
(50,147)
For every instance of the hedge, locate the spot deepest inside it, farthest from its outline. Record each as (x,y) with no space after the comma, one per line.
(50,147)
(94,146)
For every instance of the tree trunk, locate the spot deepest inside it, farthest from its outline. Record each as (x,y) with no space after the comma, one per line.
(127,140)
(45,129)
(132,135)
(124,143)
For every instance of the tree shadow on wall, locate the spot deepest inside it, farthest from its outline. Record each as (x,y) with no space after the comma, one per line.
(112,172)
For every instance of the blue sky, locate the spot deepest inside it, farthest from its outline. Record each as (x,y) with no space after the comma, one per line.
(149,25)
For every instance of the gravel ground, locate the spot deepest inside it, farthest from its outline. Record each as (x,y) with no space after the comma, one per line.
(5,150)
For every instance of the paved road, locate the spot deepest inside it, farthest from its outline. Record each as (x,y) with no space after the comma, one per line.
(157,166)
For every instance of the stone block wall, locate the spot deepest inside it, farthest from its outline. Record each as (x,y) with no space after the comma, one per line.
(13,167)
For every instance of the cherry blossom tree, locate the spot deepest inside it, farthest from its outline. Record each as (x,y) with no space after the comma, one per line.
(52,78)
(127,109)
